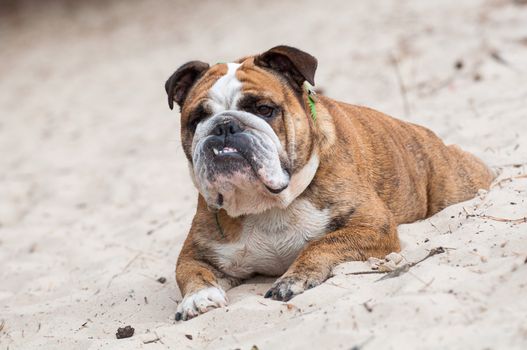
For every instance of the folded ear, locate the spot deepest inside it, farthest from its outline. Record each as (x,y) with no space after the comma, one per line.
(296,65)
(179,84)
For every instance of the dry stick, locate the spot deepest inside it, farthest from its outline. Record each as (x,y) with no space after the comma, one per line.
(514,221)
(123,270)
(433,89)
(402,269)
(160,340)
(508,179)
(360,346)
(495,218)
(428,284)
(151,341)
(499,58)
(514,165)
(158,227)
(402,87)
(468,215)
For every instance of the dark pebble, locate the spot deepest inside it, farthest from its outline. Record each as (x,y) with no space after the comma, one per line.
(124,332)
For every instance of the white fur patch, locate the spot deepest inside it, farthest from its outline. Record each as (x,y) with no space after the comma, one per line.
(270,241)
(300,181)
(226,91)
(201,301)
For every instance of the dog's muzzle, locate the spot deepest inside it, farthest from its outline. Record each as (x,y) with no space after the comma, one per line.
(234,143)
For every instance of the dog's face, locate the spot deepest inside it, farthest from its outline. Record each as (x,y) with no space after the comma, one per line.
(246,129)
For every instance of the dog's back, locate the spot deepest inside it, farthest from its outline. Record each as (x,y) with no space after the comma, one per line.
(457,177)
(409,167)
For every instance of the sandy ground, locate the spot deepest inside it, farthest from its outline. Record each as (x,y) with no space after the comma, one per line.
(95,198)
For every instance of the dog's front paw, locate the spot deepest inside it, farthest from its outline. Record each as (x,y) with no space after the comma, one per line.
(200,302)
(288,286)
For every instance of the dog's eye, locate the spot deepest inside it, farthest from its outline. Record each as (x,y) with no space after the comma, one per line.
(265,111)
(193,124)
(196,117)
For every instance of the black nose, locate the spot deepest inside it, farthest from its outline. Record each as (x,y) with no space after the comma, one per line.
(226,128)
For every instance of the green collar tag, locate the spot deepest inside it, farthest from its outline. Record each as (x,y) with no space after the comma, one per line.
(311,99)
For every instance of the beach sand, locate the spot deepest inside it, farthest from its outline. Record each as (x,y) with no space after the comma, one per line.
(96,199)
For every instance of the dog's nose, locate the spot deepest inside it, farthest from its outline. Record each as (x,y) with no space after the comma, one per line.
(226,128)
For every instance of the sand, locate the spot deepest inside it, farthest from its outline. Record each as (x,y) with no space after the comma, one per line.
(96,200)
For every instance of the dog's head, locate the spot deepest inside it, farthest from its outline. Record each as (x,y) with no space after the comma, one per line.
(246,128)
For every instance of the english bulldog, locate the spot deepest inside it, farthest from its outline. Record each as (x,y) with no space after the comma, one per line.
(292,183)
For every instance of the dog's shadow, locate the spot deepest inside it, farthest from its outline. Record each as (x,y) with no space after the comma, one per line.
(257,285)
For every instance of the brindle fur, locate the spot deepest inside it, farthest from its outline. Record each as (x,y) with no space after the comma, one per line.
(375,173)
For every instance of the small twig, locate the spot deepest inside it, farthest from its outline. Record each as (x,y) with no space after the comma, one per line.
(514,165)
(468,215)
(514,221)
(366,272)
(149,341)
(427,285)
(361,345)
(508,179)
(367,306)
(499,58)
(159,339)
(84,325)
(123,270)
(434,226)
(336,285)
(437,87)
(396,272)
(417,278)
(402,87)
(432,252)
(401,269)
(158,227)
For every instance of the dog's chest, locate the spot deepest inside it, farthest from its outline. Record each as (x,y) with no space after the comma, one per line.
(270,241)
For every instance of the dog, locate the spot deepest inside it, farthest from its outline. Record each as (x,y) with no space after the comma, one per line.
(292,183)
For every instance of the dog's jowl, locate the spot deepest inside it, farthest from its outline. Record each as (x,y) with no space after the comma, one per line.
(292,184)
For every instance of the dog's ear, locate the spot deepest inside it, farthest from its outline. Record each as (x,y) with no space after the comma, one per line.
(179,83)
(296,65)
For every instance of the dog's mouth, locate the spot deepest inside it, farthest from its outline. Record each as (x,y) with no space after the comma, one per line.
(227,154)
(225,151)
(238,154)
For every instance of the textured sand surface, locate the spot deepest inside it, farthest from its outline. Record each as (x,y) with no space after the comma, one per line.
(96,200)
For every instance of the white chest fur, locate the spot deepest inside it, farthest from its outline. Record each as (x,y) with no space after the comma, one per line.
(270,241)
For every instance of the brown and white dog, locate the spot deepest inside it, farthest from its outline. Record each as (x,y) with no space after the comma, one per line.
(282,193)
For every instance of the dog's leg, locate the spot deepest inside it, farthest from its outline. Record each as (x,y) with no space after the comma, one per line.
(202,286)
(368,234)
